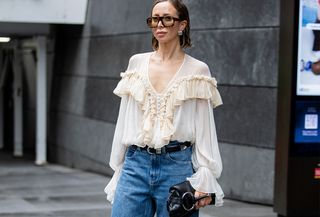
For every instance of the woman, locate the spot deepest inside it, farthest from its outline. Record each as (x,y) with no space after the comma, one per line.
(165,131)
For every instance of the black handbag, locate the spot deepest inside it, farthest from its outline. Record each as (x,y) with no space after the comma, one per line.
(181,200)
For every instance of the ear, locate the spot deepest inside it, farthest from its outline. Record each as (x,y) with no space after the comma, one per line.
(182,25)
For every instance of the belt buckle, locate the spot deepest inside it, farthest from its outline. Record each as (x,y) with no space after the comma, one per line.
(149,150)
(157,150)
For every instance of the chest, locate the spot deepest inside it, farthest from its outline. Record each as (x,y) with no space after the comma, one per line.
(161,74)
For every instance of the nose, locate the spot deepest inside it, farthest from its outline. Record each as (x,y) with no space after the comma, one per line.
(160,24)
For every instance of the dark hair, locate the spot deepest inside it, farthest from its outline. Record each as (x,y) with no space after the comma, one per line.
(183,14)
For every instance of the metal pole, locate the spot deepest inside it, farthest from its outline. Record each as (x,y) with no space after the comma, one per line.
(18,103)
(41,134)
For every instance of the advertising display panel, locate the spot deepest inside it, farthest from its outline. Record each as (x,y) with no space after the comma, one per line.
(306,135)
(298,116)
(307,122)
(308,69)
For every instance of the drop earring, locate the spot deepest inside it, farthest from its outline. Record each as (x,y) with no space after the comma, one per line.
(180,33)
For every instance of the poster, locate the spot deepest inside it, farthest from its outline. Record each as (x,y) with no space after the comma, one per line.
(307,127)
(308,70)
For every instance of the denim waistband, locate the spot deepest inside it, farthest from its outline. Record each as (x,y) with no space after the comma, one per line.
(172,146)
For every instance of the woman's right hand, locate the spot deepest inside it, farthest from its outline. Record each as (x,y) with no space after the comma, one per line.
(203,202)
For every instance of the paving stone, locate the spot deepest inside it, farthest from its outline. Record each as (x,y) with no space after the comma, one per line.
(84,213)
(44,181)
(16,204)
(233,208)
(42,214)
(34,191)
(77,202)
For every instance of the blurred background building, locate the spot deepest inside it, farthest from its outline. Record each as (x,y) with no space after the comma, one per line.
(238,39)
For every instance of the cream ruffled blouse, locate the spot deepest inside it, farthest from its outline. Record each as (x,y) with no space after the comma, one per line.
(183,111)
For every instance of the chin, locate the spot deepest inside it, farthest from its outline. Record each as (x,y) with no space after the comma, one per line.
(166,40)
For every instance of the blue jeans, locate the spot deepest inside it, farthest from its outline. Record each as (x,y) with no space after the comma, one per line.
(143,187)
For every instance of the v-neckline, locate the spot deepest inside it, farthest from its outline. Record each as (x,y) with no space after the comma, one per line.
(165,89)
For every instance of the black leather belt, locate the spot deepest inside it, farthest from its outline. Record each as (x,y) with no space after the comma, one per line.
(165,149)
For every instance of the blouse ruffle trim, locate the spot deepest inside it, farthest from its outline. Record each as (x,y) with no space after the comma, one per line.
(199,182)
(131,83)
(110,189)
(157,127)
(187,87)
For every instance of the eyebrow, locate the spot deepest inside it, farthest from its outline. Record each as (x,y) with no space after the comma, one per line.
(163,15)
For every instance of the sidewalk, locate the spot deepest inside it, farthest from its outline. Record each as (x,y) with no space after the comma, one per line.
(27,190)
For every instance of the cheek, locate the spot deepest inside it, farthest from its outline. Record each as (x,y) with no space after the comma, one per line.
(174,31)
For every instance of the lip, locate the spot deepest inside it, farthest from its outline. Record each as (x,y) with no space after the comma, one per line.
(161,33)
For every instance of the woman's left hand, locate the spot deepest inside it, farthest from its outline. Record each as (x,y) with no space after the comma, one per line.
(203,202)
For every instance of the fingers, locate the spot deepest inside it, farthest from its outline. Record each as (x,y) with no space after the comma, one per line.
(203,202)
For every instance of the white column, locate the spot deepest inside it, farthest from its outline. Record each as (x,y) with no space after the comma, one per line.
(41,107)
(2,76)
(18,103)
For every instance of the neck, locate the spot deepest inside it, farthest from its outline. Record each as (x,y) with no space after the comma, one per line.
(170,51)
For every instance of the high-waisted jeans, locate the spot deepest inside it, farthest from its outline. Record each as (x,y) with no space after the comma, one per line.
(143,187)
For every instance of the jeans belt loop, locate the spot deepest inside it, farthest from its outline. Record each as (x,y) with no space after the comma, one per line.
(159,150)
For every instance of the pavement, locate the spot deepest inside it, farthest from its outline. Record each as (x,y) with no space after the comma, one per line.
(27,190)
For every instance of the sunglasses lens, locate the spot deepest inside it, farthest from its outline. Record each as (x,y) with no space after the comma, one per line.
(152,22)
(149,22)
(168,21)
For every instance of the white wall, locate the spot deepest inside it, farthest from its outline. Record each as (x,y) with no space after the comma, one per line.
(43,11)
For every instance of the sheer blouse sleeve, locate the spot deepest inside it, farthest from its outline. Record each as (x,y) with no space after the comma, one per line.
(118,148)
(206,157)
